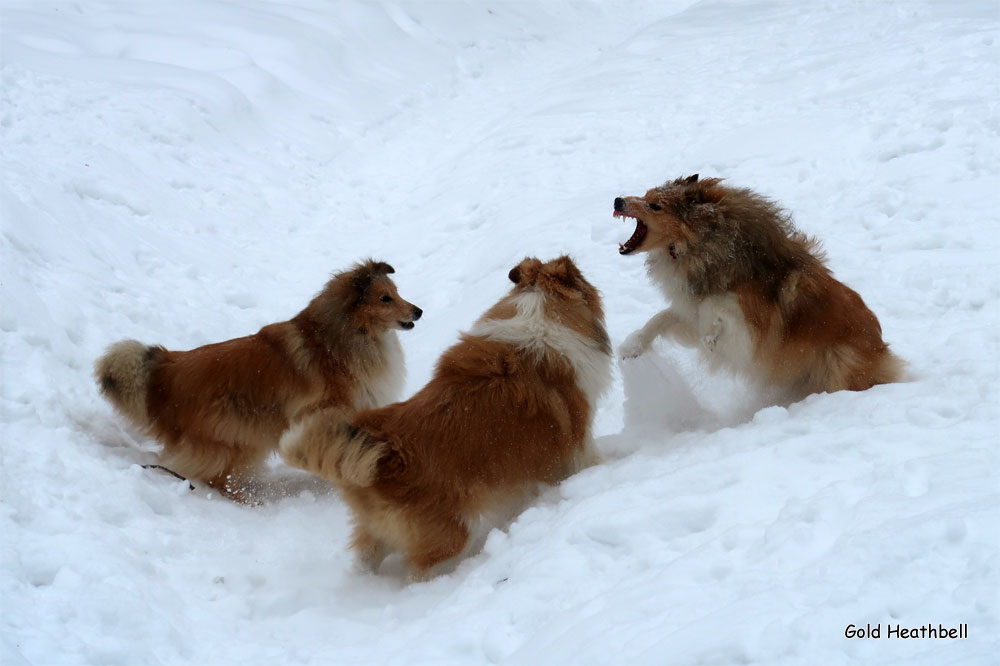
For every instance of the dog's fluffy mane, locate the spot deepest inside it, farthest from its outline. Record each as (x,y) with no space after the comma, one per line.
(742,237)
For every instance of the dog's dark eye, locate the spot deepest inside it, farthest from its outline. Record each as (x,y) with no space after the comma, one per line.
(387,299)
(654,206)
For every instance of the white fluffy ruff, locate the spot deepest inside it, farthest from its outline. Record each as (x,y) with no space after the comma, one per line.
(386,384)
(531,330)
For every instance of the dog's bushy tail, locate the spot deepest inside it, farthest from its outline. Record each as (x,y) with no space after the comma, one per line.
(889,369)
(327,445)
(122,375)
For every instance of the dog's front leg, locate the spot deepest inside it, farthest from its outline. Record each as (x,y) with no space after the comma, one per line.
(369,550)
(663,323)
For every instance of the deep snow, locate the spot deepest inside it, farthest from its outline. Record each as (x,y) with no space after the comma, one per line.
(186,172)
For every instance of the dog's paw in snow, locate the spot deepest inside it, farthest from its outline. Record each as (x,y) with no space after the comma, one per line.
(369,553)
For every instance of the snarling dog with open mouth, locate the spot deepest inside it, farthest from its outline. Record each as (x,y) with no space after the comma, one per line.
(220,409)
(509,407)
(751,291)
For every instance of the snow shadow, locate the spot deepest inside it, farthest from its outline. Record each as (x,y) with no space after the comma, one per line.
(675,392)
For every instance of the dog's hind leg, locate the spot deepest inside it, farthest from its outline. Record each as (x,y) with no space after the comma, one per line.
(238,479)
(235,484)
(436,542)
(665,323)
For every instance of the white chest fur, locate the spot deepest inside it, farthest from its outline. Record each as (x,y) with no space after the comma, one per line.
(385,380)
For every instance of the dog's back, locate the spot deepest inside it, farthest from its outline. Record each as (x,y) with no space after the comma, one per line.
(234,391)
(530,419)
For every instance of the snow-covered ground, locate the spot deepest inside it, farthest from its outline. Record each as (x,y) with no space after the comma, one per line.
(184,172)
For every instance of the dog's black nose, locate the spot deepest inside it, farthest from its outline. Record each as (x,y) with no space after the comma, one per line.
(619,204)
(416,313)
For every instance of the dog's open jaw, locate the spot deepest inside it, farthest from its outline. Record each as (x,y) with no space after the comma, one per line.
(406,325)
(639,235)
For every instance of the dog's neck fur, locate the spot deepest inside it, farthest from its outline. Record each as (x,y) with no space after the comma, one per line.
(713,266)
(532,330)
(374,357)
(387,371)
(667,273)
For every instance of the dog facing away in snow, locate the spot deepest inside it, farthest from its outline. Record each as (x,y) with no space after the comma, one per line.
(751,292)
(220,409)
(509,407)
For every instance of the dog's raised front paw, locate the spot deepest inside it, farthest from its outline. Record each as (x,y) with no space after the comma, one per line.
(633,347)
(710,341)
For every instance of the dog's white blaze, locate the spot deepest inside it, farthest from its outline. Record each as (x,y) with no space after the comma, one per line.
(386,381)
(724,338)
(530,329)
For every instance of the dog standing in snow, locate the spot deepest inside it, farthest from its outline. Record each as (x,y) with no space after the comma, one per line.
(508,407)
(751,291)
(220,409)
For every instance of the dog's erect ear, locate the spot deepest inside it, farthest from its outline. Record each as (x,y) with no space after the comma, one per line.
(364,274)
(564,270)
(691,180)
(705,192)
(526,271)
(702,192)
